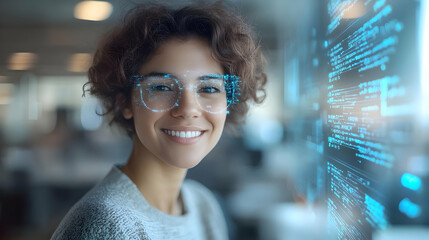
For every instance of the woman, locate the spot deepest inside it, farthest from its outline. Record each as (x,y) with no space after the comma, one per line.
(171,78)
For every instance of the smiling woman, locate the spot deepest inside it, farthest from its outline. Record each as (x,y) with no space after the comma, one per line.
(171,78)
(188,57)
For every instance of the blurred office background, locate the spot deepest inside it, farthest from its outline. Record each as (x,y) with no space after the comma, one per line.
(339,149)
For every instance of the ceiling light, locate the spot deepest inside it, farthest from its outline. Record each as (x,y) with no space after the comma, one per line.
(79,62)
(93,10)
(22,61)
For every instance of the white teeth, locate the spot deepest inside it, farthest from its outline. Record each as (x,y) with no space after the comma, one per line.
(183,134)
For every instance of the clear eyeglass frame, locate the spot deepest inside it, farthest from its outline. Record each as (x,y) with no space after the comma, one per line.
(214,93)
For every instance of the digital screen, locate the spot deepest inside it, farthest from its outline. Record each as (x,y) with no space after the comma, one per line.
(359,85)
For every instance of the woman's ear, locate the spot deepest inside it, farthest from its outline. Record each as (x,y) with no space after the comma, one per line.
(127,113)
(121,103)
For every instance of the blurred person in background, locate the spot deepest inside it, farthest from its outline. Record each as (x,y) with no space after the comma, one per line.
(171,78)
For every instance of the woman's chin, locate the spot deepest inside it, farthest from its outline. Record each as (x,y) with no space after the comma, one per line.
(185,163)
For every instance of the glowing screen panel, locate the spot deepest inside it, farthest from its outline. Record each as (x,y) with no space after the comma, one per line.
(371,106)
(358,77)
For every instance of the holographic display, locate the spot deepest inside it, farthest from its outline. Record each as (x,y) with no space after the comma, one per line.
(370,107)
(360,86)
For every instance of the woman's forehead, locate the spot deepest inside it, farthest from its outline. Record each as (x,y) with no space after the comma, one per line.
(187,76)
(183,57)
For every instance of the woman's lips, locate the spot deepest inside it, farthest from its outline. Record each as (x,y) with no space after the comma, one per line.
(183,137)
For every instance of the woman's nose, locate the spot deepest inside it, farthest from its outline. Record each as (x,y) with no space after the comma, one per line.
(187,105)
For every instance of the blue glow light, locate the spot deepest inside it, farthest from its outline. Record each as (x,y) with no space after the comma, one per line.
(315,62)
(411,182)
(409,208)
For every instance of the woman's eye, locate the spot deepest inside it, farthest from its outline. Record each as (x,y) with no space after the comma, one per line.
(209,89)
(160,88)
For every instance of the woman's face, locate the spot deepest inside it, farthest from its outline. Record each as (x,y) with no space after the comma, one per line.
(187,60)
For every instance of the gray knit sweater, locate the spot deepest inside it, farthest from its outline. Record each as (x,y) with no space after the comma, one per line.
(115,209)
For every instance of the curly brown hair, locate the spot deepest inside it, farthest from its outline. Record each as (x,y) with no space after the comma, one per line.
(146,27)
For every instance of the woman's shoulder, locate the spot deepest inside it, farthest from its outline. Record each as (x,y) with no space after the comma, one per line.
(97,220)
(98,216)
(103,213)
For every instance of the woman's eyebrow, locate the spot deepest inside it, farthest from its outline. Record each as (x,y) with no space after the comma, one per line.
(160,74)
(170,75)
(211,76)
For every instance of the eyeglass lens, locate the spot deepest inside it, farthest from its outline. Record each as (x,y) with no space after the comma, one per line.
(162,93)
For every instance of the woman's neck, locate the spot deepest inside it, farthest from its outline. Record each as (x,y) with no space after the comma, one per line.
(157,181)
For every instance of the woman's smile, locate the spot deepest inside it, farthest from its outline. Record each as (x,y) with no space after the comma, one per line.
(184,135)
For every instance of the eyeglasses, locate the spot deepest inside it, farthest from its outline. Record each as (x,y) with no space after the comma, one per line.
(161,92)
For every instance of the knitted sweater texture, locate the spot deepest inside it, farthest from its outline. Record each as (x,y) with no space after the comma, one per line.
(115,209)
